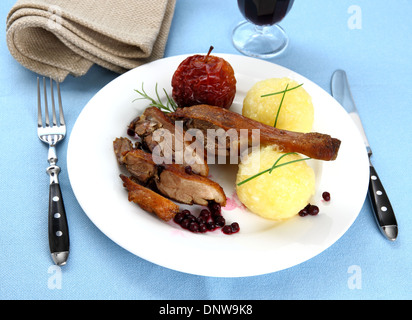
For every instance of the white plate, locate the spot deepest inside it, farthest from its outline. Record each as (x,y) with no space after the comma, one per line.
(261,246)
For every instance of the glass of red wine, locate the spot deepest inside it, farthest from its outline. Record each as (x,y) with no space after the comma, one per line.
(260,35)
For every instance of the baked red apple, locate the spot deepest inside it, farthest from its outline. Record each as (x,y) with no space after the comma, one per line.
(204,79)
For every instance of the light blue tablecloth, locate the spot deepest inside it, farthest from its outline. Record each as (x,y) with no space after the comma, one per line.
(375,51)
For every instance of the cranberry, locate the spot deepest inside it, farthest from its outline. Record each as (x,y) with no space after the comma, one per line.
(205,214)
(304,212)
(130,132)
(210,226)
(186,212)
(188,170)
(179,217)
(201,220)
(206,221)
(220,221)
(185,223)
(227,229)
(309,210)
(216,216)
(194,227)
(235,227)
(313,210)
(232,228)
(326,196)
(202,227)
(215,208)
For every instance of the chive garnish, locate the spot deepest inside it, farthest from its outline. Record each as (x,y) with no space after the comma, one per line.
(280,105)
(279,92)
(275,165)
(283,97)
(170,104)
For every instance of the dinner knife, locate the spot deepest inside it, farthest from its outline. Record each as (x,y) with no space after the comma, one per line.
(381,206)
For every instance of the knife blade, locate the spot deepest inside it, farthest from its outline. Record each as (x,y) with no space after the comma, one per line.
(381,206)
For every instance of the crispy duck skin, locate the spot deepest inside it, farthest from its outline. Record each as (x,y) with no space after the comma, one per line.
(170,180)
(314,145)
(149,200)
(154,119)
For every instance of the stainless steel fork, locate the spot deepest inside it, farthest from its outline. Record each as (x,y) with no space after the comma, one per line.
(51,134)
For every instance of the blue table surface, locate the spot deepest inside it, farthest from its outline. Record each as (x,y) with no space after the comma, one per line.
(376,52)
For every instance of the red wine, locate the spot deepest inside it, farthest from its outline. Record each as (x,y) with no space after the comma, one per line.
(264,12)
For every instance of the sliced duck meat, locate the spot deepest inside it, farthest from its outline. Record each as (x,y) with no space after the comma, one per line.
(151,120)
(140,164)
(172,180)
(149,200)
(137,161)
(314,145)
(169,143)
(121,146)
(176,184)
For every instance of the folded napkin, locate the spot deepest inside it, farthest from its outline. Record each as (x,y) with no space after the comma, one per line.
(59,37)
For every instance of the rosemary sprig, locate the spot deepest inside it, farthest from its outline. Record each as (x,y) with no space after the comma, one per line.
(170,106)
(275,165)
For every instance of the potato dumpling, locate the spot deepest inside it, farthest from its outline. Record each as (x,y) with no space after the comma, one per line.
(296,112)
(280,194)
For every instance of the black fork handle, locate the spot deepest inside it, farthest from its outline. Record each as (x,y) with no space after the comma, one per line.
(58,227)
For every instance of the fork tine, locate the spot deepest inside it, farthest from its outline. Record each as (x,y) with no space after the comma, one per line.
(52,100)
(61,114)
(39,117)
(46,109)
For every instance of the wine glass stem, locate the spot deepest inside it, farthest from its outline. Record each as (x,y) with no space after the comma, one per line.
(259,29)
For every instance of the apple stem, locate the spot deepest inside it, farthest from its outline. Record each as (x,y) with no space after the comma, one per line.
(210,50)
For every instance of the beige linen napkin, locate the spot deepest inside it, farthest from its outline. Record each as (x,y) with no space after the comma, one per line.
(59,37)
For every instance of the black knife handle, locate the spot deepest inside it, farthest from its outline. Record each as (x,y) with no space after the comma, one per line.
(381,205)
(58,228)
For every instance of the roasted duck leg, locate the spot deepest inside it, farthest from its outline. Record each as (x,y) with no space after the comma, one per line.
(314,145)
